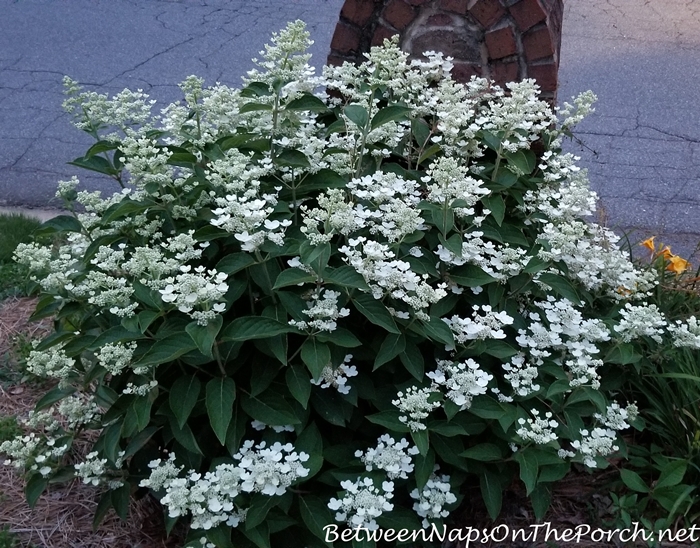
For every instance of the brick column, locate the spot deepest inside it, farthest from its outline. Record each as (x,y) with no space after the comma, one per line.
(504,40)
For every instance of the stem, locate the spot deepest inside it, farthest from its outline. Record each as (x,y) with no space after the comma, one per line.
(220,363)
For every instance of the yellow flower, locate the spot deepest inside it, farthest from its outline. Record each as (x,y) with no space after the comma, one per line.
(649,244)
(677,264)
(666,252)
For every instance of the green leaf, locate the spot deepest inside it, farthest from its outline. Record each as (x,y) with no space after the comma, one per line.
(389,114)
(254,327)
(139,440)
(34,488)
(470,276)
(672,474)
(524,160)
(270,409)
(340,337)
(316,256)
(185,437)
(101,511)
(315,514)
(99,147)
(236,430)
(166,350)
(316,355)
(95,163)
(491,492)
(346,276)
(444,220)
(357,114)
(388,419)
(495,203)
(428,153)
(412,360)
(453,243)
(299,384)
(422,440)
(540,499)
(293,276)
(205,335)
(120,501)
(125,208)
(375,312)
(420,130)
(623,353)
(633,480)
(221,393)
(140,412)
(235,262)
(311,443)
(258,508)
(292,158)
(485,452)
(528,468)
(424,466)
(392,346)
(52,396)
(183,397)
(307,102)
(254,107)
(486,408)
(439,331)
(560,285)
(61,223)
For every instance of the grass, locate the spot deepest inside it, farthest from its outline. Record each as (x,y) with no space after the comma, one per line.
(15,229)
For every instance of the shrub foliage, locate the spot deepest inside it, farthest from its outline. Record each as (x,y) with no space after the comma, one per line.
(310,307)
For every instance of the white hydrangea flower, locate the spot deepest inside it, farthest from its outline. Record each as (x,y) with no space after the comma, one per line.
(537,430)
(463,380)
(415,403)
(394,457)
(686,334)
(597,442)
(92,469)
(641,320)
(362,503)
(323,311)
(432,499)
(337,377)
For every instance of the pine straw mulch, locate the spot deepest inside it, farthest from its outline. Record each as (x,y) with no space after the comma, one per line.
(62,518)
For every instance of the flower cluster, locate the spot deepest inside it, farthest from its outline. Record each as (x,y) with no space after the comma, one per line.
(394,457)
(463,381)
(362,502)
(432,499)
(416,403)
(323,311)
(210,498)
(337,377)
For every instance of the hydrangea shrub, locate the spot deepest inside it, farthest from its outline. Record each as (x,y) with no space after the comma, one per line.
(330,300)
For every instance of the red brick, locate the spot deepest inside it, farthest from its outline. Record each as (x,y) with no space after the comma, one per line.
(538,44)
(505,72)
(501,43)
(527,13)
(345,39)
(457,6)
(334,60)
(399,14)
(545,74)
(380,34)
(439,20)
(462,72)
(486,12)
(358,11)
